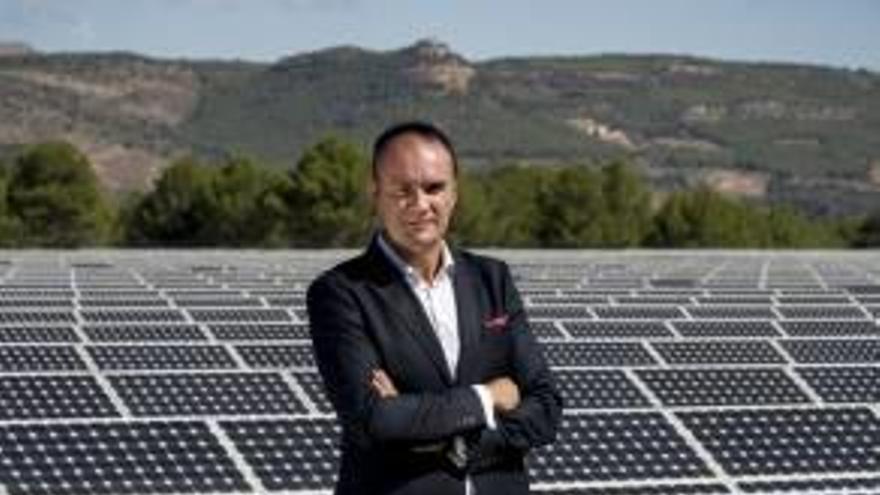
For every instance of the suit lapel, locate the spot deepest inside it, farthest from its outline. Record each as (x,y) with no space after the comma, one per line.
(393,288)
(469,317)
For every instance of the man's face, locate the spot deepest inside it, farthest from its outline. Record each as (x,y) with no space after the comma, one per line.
(415,193)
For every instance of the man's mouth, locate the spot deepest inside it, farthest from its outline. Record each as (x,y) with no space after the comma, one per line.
(419,224)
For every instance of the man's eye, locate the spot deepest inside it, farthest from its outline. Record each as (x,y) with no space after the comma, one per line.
(399,193)
(435,188)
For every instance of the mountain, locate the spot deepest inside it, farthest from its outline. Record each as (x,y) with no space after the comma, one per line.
(804,134)
(8,48)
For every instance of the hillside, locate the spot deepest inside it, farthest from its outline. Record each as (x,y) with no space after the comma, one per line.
(809,135)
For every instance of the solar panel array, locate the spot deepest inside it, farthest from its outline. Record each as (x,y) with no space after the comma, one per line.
(128,372)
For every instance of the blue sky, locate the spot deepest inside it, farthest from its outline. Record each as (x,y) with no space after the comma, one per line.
(843,33)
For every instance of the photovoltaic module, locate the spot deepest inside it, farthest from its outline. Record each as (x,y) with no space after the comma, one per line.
(191,372)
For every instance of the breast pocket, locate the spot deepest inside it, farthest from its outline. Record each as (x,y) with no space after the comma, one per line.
(496,348)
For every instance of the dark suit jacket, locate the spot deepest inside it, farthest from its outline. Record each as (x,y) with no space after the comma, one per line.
(363,316)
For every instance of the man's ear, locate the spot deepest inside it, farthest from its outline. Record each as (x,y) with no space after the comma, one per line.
(454,193)
(372,191)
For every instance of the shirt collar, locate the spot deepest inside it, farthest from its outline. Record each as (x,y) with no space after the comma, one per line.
(447,262)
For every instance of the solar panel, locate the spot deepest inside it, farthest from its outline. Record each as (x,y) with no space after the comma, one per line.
(27,334)
(245,314)
(659,488)
(132,315)
(39,358)
(644,312)
(731,312)
(559,311)
(722,387)
(41,397)
(259,331)
(597,354)
(311,384)
(856,484)
(160,357)
(286,301)
(191,372)
(715,352)
(822,312)
(19,302)
(130,302)
(545,329)
(599,389)
(619,329)
(187,394)
(844,383)
(567,299)
(277,355)
(789,441)
(129,457)
(216,302)
(829,328)
(644,298)
(288,455)
(617,446)
(35,317)
(856,350)
(143,332)
(722,328)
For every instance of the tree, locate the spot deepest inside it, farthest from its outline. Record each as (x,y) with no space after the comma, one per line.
(868,232)
(248,208)
(705,218)
(627,215)
(472,221)
(571,209)
(791,229)
(10,227)
(179,210)
(327,200)
(55,194)
(511,199)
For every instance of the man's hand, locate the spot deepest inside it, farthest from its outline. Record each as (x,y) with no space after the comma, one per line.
(505,394)
(381,383)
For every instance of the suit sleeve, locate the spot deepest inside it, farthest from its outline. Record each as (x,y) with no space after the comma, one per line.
(534,423)
(346,356)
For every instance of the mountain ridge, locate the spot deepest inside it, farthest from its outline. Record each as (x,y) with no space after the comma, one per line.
(679,117)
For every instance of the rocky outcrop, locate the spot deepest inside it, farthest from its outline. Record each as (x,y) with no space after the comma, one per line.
(601,132)
(436,65)
(737,182)
(15,49)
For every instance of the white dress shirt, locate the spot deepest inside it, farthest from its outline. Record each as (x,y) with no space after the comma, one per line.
(438,301)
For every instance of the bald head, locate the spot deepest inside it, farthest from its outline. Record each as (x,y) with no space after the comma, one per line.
(407,131)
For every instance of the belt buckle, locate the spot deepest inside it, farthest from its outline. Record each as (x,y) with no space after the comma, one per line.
(457,453)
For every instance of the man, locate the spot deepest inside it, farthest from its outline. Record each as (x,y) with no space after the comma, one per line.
(425,350)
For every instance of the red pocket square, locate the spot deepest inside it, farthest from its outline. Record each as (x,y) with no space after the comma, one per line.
(497,323)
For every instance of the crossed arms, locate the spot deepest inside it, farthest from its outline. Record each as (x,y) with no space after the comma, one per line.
(373,411)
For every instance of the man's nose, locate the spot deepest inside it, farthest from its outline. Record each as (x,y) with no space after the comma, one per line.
(420,200)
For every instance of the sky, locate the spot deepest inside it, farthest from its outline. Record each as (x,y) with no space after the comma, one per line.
(842,33)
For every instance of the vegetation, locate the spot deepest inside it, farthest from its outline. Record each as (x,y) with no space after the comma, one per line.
(703,218)
(868,232)
(237,204)
(815,131)
(49,197)
(327,201)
